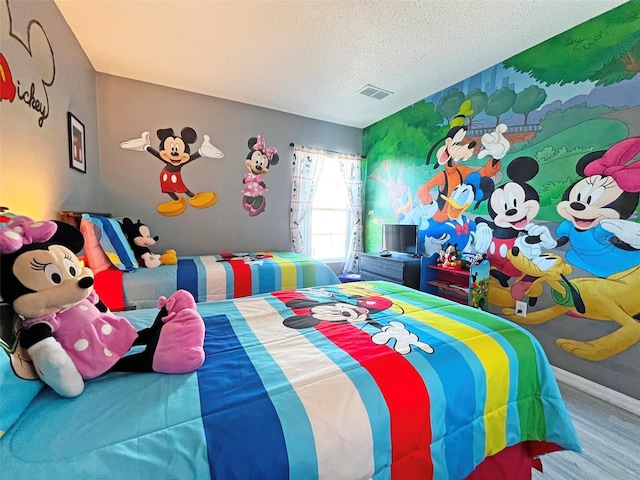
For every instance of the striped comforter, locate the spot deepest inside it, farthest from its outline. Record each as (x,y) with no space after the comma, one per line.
(214,277)
(353,381)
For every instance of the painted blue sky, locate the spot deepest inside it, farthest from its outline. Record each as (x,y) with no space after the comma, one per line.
(627,93)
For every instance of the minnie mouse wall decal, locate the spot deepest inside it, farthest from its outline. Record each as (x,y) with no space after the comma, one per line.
(258,161)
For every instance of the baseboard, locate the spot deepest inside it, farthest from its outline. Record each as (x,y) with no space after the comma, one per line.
(601,392)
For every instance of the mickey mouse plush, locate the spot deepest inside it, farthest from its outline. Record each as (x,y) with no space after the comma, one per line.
(68,333)
(140,239)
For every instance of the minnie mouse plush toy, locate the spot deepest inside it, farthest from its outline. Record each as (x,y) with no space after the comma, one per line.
(68,333)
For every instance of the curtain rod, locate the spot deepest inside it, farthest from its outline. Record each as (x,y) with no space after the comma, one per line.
(331,151)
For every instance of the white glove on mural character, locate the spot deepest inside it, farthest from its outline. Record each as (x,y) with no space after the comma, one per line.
(208,150)
(494,144)
(541,231)
(137,144)
(533,249)
(433,245)
(484,235)
(628,232)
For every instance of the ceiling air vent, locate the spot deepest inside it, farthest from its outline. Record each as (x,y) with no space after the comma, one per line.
(374,92)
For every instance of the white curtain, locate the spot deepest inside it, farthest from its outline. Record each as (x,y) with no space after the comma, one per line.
(307,165)
(351,166)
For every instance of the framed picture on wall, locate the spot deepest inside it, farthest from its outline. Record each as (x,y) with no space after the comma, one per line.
(77,146)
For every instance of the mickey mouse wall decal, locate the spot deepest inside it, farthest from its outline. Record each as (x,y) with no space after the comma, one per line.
(37,72)
(258,161)
(175,152)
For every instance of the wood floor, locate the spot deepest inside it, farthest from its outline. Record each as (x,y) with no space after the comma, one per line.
(610,439)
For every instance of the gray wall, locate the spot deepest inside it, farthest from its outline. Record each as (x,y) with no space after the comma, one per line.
(35,178)
(131,187)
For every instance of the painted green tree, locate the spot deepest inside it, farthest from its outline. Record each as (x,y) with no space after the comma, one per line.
(406,135)
(449,104)
(528,100)
(478,103)
(500,102)
(604,50)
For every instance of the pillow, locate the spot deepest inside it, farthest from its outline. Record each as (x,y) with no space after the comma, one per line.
(17,393)
(6,216)
(113,242)
(96,259)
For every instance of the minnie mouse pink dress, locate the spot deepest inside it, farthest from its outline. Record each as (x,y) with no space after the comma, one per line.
(94,340)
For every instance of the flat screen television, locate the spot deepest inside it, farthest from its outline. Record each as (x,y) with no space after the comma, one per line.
(400,238)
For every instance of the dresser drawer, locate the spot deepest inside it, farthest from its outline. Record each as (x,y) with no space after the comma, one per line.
(400,269)
(383,266)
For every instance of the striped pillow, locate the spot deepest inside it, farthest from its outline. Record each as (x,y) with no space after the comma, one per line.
(113,242)
(94,255)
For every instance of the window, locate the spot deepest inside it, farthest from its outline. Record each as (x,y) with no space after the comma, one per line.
(329,219)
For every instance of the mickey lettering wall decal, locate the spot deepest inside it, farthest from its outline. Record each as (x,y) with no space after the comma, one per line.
(7,87)
(174,152)
(29,77)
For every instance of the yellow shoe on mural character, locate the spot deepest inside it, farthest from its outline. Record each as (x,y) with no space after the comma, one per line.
(172,207)
(203,199)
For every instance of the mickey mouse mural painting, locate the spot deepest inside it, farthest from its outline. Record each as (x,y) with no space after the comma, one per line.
(174,152)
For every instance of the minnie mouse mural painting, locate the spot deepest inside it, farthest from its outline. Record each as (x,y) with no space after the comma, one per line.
(258,162)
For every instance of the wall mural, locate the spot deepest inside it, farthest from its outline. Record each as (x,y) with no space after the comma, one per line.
(174,151)
(258,161)
(535,163)
(30,69)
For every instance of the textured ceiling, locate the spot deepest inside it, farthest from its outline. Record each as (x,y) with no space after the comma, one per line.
(311,57)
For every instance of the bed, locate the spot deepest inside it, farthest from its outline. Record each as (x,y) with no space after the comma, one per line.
(353,381)
(212,277)
(122,284)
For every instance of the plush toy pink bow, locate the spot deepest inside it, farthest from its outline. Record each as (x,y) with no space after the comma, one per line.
(259,146)
(614,164)
(24,231)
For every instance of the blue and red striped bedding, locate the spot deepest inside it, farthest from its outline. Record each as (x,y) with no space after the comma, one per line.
(353,381)
(213,277)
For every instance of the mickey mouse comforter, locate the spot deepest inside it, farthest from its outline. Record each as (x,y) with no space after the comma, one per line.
(353,381)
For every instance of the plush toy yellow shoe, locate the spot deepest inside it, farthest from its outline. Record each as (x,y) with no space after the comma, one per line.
(172,207)
(170,257)
(203,199)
